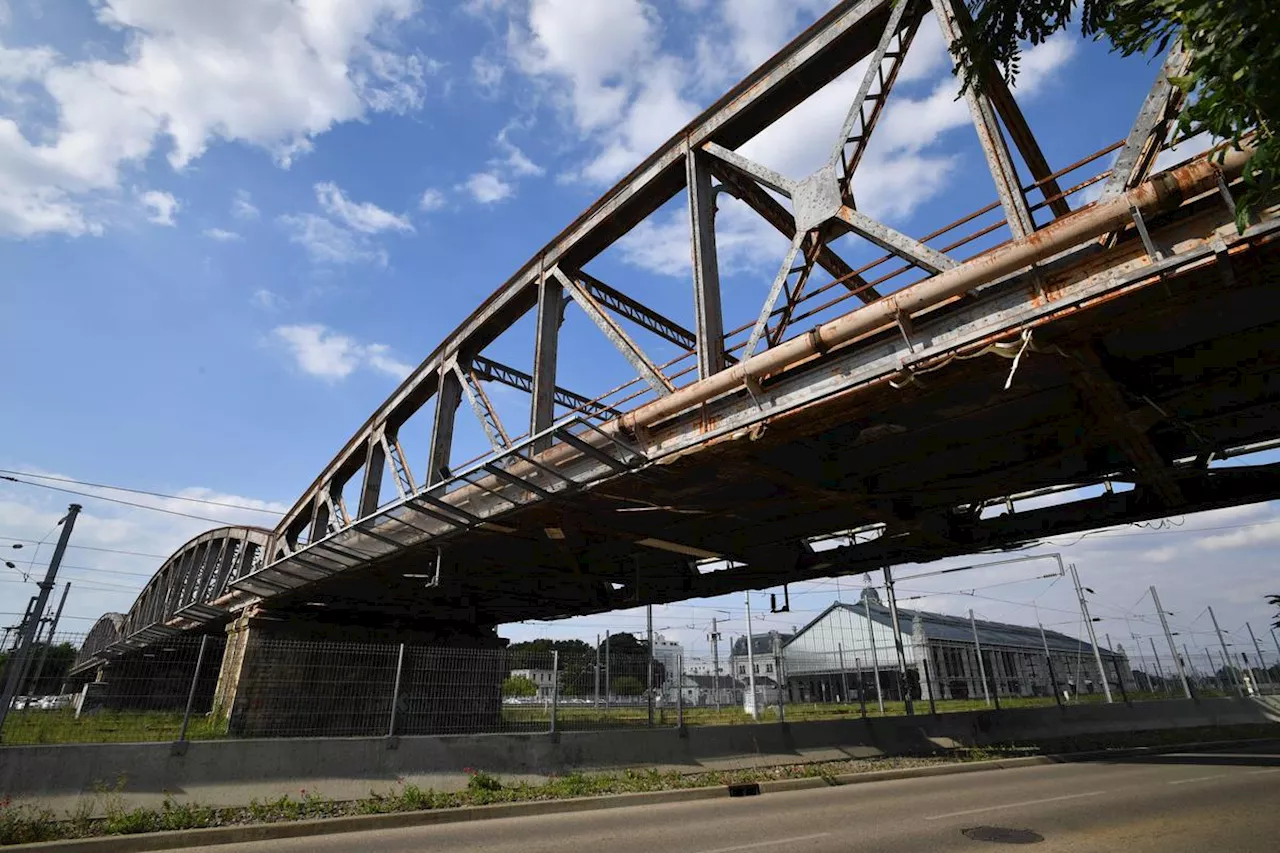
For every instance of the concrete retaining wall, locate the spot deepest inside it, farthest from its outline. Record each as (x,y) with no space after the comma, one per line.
(234,771)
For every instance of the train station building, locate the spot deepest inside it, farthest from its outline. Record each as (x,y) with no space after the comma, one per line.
(850,647)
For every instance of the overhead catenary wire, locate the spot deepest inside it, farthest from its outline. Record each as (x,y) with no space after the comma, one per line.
(91,496)
(132,491)
(93,548)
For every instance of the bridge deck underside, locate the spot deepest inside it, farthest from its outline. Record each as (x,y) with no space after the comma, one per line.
(1121,389)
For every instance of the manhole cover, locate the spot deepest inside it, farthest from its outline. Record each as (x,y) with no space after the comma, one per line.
(1002,835)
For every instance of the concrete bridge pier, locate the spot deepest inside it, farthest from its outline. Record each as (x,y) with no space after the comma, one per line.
(284,675)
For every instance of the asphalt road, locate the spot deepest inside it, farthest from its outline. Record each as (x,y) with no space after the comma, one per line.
(1219,801)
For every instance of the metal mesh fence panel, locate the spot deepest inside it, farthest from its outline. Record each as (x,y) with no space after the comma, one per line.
(139,697)
(293,688)
(614,693)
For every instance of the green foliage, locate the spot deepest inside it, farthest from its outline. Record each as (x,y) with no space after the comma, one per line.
(479,782)
(24,824)
(1231,80)
(519,685)
(627,685)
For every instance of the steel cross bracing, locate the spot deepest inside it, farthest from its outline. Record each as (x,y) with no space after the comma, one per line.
(576,443)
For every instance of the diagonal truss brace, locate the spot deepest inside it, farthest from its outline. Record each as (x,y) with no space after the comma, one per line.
(858,125)
(762,175)
(483,409)
(891,240)
(990,136)
(493,371)
(775,290)
(771,211)
(619,338)
(1151,128)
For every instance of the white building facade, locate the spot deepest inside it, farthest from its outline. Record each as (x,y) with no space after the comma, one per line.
(850,650)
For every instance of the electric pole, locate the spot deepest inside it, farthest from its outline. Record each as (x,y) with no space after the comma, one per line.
(1168,635)
(53,627)
(1159,669)
(29,630)
(715,662)
(1226,655)
(1093,637)
(897,643)
(977,648)
(1262,664)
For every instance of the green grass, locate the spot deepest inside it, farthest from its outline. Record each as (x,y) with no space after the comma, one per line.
(569,717)
(50,727)
(29,823)
(34,727)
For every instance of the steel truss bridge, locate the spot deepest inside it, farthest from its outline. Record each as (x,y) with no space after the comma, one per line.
(907,407)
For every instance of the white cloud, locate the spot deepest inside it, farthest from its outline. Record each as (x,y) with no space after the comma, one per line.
(267,300)
(594,48)
(346,234)
(432,199)
(222,235)
(321,352)
(365,217)
(487,73)
(270,73)
(513,158)
(329,243)
(242,206)
(487,188)
(161,207)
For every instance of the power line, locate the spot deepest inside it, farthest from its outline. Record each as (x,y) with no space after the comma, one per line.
(92,548)
(91,496)
(206,501)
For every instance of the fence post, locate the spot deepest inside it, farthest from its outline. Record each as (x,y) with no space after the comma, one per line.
(191,694)
(395,692)
(555,688)
(862,688)
(680,690)
(928,682)
(779,678)
(844,683)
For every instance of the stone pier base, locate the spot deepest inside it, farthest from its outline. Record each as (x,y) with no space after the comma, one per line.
(287,677)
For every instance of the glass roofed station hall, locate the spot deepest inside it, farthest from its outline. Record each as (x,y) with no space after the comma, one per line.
(850,647)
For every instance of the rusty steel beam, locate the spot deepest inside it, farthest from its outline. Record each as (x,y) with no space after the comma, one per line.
(546,344)
(1151,127)
(708,317)
(1163,192)
(614,333)
(1104,397)
(1000,164)
(750,194)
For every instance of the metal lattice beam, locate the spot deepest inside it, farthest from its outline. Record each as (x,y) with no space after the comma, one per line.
(615,334)
(494,371)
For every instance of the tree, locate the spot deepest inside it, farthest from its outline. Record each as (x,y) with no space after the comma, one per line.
(1274,601)
(519,685)
(627,685)
(1230,82)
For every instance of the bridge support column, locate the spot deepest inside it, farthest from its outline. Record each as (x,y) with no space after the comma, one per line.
(285,676)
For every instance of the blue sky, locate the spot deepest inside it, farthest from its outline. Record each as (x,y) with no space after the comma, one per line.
(228,230)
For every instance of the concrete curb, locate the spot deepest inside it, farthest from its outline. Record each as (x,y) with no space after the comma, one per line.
(363,823)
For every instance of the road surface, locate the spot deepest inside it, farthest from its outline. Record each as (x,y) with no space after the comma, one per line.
(1218,801)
